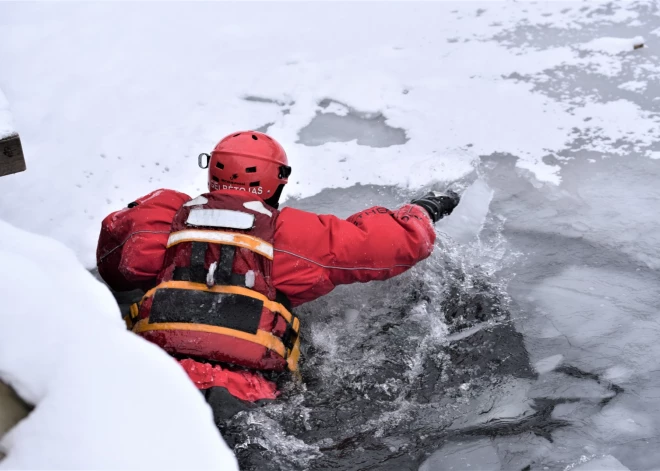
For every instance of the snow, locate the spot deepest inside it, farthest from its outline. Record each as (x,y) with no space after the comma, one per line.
(104,397)
(610,45)
(6,122)
(125,96)
(634,86)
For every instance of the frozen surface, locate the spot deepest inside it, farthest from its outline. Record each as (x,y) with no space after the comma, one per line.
(96,387)
(603,463)
(479,455)
(614,45)
(469,217)
(548,364)
(337,122)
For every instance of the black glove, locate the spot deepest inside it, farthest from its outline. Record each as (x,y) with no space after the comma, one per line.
(438,204)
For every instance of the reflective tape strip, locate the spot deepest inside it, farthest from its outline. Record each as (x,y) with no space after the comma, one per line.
(227,218)
(268,304)
(265,339)
(197,201)
(258,207)
(220,237)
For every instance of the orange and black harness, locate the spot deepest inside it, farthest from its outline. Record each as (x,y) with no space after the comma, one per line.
(217,300)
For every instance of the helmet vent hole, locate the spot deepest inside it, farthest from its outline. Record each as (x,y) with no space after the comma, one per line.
(215,179)
(236,135)
(251,170)
(285,171)
(254,184)
(254,137)
(219,165)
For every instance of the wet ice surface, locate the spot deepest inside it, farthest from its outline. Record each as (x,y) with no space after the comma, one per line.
(338,122)
(528,341)
(530,346)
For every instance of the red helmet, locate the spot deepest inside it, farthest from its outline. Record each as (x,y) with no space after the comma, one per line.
(249,161)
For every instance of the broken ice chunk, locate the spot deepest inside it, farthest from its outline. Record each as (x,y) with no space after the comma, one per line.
(548,364)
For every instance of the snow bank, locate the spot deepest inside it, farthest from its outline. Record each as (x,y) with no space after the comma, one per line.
(104,397)
(6,123)
(609,45)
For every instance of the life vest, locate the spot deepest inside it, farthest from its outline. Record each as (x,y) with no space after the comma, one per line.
(215,299)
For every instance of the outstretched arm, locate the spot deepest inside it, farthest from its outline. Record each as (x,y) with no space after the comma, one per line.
(314,253)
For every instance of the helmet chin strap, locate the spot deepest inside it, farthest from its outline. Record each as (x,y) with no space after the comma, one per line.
(274,201)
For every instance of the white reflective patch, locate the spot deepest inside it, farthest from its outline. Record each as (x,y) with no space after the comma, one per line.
(249,279)
(196,201)
(220,218)
(258,207)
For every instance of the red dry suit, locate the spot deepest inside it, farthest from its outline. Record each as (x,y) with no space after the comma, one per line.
(222,272)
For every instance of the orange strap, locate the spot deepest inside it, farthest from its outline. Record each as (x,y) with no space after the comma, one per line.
(263,338)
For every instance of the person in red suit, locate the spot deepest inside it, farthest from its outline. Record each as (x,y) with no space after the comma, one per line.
(222,272)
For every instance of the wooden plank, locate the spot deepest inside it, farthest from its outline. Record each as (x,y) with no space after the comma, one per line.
(11,155)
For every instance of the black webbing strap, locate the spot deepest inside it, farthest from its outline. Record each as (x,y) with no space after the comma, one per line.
(197,254)
(281,298)
(223,271)
(289,337)
(233,311)
(196,272)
